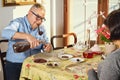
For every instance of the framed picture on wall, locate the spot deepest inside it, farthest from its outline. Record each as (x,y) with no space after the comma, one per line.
(17,2)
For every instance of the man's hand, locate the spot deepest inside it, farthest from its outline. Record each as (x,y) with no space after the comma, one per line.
(33,41)
(48,47)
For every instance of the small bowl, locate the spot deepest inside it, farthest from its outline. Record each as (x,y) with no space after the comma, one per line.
(40,60)
(53,64)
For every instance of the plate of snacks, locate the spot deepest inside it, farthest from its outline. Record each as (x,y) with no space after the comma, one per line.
(40,60)
(77,59)
(65,56)
(53,64)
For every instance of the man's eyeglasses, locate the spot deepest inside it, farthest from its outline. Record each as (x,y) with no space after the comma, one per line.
(38,17)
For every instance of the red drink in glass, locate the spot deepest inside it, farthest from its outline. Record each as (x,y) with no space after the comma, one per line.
(88,54)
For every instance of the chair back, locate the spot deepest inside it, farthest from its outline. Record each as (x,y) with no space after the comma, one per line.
(63,38)
(3,49)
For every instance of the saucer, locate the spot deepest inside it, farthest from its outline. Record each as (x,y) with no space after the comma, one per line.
(77,59)
(65,56)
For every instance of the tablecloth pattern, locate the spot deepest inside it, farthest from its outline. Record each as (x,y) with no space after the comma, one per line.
(67,70)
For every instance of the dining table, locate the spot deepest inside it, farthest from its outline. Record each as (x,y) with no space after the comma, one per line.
(52,66)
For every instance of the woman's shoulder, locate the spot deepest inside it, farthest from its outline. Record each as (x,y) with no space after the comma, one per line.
(114,56)
(115,53)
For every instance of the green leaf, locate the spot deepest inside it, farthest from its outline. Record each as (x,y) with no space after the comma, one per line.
(103,38)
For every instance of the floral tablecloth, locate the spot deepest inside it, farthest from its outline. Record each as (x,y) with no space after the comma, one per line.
(67,70)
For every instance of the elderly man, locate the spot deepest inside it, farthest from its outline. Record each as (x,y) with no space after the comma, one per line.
(28,28)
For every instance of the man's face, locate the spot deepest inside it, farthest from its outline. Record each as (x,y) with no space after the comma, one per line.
(37,17)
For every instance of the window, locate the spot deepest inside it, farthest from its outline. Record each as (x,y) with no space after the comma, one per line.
(82,16)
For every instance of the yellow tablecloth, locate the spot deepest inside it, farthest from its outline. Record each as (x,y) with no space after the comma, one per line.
(67,70)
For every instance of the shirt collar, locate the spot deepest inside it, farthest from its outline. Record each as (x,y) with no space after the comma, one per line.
(27,22)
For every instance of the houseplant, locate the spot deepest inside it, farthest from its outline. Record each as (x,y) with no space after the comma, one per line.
(104,34)
(105,37)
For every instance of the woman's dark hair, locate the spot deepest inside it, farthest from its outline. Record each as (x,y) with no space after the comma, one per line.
(113,23)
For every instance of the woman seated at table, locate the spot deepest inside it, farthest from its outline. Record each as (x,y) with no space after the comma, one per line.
(109,69)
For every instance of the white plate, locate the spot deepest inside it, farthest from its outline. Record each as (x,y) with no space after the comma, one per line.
(77,59)
(65,56)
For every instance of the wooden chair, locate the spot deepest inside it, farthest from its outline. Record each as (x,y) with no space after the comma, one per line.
(3,43)
(63,37)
